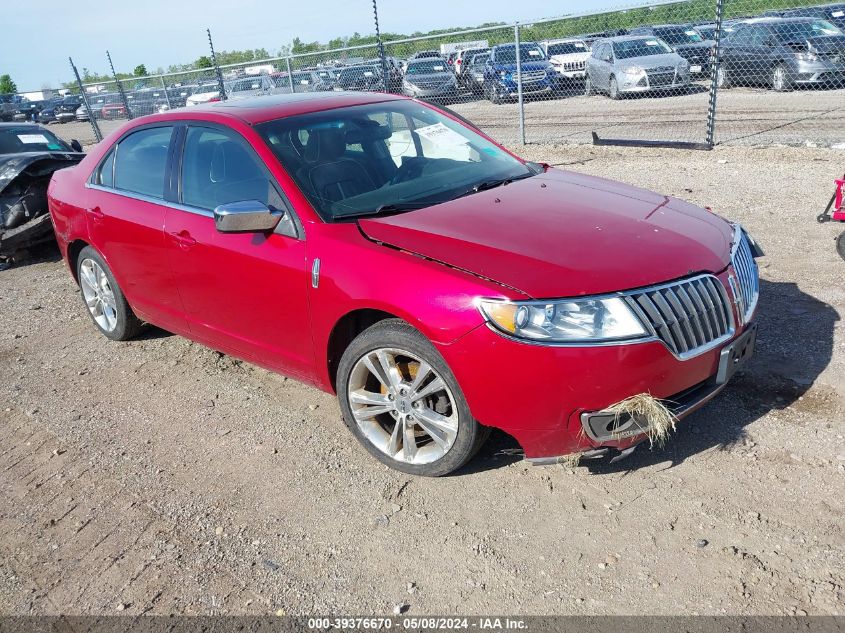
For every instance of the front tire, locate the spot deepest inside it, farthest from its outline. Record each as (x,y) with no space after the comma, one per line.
(588,86)
(780,78)
(402,402)
(613,91)
(103,298)
(723,78)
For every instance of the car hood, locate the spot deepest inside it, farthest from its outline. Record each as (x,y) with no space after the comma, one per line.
(430,78)
(562,234)
(526,66)
(651,61)
(822,44)
(695,47)
(36,163)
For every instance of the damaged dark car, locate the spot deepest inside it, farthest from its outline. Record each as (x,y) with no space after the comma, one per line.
(29,154)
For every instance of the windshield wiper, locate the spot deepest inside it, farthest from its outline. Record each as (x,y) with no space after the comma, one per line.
(386,209)
(491,184)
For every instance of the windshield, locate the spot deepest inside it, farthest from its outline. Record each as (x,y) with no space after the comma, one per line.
(355,73)
(357,160)
(790,31)
(426,68)
(480,60)
(567,48)
(640,48)
(527,53)
(14,140)
(679,36)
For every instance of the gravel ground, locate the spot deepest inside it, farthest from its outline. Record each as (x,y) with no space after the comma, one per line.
(158,476)
(746,116)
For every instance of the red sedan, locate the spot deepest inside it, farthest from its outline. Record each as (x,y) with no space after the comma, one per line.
(385,250)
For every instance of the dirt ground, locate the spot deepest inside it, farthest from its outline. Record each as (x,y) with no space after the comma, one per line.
(158,476)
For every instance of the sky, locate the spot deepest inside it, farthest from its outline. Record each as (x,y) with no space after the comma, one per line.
(36,44)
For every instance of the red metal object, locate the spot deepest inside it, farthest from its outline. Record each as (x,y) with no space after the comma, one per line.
(838,210)
(252,296)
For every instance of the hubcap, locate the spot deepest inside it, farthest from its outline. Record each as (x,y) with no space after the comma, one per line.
(779,78)
(403,406)
(98,294)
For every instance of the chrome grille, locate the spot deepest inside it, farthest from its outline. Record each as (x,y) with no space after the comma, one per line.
(689,316)
(747,276)
(574,65)
(534,75)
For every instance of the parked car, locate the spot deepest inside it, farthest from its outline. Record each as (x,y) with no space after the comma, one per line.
(448,337)
(28,110)
(634,64)
(363,77)
(474,74)
(783,53)
(708,30)
(7,107)
(687,41)
(81,113)
(500,77)
(113,109)
(29,154)
(429,79)
(568,57)
(145,101)
(426,55)
(204,93)
(66,110)
(462,61)
(249,87)
(47,114)
(833,13)
(328,77)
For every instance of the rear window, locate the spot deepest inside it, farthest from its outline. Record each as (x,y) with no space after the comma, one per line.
(640,48)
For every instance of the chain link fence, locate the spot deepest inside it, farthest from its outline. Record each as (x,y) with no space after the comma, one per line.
(681,73)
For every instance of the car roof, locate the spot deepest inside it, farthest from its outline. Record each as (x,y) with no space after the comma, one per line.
(625,38)
(269,107)
(778,20)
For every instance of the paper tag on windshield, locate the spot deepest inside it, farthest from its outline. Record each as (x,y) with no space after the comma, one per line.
(690,33)
(439,134)
(33,139)
(838,14)
(651,42)
(534,53)
(368,74)
(439,68)
(579,45)
(304,82)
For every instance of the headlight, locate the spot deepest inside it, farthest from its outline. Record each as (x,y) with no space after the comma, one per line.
(503,74)
(807,57)
(565,320)
(633,70)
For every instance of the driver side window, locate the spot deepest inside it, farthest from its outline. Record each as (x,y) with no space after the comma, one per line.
(219,168)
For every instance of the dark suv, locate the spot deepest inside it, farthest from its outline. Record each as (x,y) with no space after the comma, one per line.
(500,76)
(686,40)
(783,53)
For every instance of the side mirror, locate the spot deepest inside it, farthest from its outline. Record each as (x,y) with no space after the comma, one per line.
(75,145)
(249,216)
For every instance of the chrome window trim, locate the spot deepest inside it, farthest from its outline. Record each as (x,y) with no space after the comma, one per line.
(159,201)
(652,334)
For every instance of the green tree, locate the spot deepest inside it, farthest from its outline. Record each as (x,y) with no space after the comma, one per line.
(140,70)
(7,86)
(204,62)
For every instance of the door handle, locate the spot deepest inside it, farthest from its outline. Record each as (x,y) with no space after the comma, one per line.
(183,239)
(96,213)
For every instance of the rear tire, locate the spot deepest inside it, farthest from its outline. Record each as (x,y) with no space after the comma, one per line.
(588,86)
(104,300)
(840,245)
(387,412)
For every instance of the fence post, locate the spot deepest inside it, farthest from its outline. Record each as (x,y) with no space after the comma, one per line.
(290,76)
(220,85)
(519,84)
(119,90)
(91,119)
(714,77)
(381,56)
(166,96)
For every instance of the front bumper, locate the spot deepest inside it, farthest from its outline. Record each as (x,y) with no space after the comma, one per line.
(819,73)
(540,394)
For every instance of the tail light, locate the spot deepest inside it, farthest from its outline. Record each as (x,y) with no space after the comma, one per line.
(213,100)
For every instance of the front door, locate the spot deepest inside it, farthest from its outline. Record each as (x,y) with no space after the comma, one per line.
(243,293)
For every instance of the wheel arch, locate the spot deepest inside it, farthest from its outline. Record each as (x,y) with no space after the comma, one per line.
(344,332)
(73,251)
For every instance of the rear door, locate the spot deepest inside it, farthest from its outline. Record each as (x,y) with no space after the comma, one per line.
(243,293)
(125,214)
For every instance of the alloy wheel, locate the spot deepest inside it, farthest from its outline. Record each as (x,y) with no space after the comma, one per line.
(779,78)
(402,406)
(98,294)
